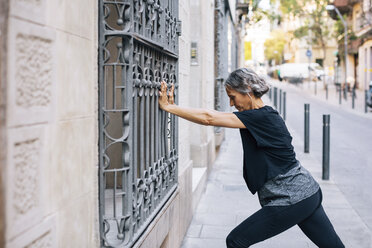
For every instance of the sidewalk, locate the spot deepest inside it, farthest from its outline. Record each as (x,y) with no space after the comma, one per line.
(226,202)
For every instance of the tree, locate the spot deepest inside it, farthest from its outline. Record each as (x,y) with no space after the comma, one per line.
(274,46)
(339,35)
(316,25)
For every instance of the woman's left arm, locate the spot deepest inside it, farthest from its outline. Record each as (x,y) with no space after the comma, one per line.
(199,116)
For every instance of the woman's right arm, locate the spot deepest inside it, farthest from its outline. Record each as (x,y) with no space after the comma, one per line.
(199,116)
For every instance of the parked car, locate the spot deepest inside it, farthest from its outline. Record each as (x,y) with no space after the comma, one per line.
(297,71)
(319,72)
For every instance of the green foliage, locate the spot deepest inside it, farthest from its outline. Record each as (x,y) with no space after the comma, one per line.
(292,7)
(339,34)
(301,32)
(274,46)
(271,15)
(316,28)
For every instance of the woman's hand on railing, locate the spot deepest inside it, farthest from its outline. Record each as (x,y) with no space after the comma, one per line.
(164,99)
(171,95)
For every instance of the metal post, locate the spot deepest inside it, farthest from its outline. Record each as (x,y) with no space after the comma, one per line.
(309,80)
(332,7)
(327,91)
(345,92)
(315,86)
(270,94)
(365,101)
(326,146)
(280,101)
(339,94)
(307,127)
(284,105)
(275,97)
(353,99)
(345,44)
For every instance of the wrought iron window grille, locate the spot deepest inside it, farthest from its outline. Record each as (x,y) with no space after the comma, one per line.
(138,149)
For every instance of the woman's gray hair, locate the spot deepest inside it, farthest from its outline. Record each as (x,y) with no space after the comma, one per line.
(245,80)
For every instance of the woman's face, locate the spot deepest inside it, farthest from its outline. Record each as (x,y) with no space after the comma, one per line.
(240,101)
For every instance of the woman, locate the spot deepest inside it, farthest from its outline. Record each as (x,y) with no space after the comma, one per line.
(287,192)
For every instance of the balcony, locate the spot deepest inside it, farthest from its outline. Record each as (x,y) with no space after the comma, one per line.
(344,6)
(361,23)
(242,7)
(351,2)
(353,46)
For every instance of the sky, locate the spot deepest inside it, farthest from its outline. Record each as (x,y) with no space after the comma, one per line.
(264,4)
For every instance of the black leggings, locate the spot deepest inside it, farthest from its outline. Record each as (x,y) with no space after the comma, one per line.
(308,214)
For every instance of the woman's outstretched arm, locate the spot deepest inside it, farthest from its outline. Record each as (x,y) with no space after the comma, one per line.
(199,116)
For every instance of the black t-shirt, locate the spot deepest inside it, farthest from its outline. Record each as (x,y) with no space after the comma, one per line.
(267,146)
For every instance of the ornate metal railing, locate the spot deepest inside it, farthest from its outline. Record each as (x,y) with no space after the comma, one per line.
(138,151)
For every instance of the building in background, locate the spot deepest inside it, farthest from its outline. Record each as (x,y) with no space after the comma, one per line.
(296,48)
(359,22)
(255,37)
(88,159)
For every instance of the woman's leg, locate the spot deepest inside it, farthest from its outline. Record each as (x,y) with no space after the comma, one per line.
(262,225)
(270,221)
(319,229)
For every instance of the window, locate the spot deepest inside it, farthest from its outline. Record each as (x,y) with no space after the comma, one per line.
(138,151)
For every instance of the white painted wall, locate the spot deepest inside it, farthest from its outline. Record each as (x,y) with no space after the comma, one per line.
(365,64)
(201,86)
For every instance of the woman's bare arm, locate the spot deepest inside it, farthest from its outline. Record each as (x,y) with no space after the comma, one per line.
(199,116)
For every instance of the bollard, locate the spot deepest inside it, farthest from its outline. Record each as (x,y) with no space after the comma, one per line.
(307,127)
(270,94)
(326,91)
(345,91)
(326,145)
(275,97)
(284,105)
(353,99)
(339,95)
(365,101)
(280,101)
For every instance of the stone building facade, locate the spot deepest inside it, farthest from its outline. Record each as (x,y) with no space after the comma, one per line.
(358,16)
(50,173)
(50,188)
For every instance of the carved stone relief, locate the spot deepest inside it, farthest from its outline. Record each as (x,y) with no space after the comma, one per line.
(26,156)
(33,71)
(25,181)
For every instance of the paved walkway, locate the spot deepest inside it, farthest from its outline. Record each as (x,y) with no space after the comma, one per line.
(226,202)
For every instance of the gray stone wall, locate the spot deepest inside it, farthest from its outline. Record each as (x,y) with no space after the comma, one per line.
(3,53)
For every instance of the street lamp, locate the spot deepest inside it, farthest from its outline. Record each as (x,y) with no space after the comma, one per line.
(330,8)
